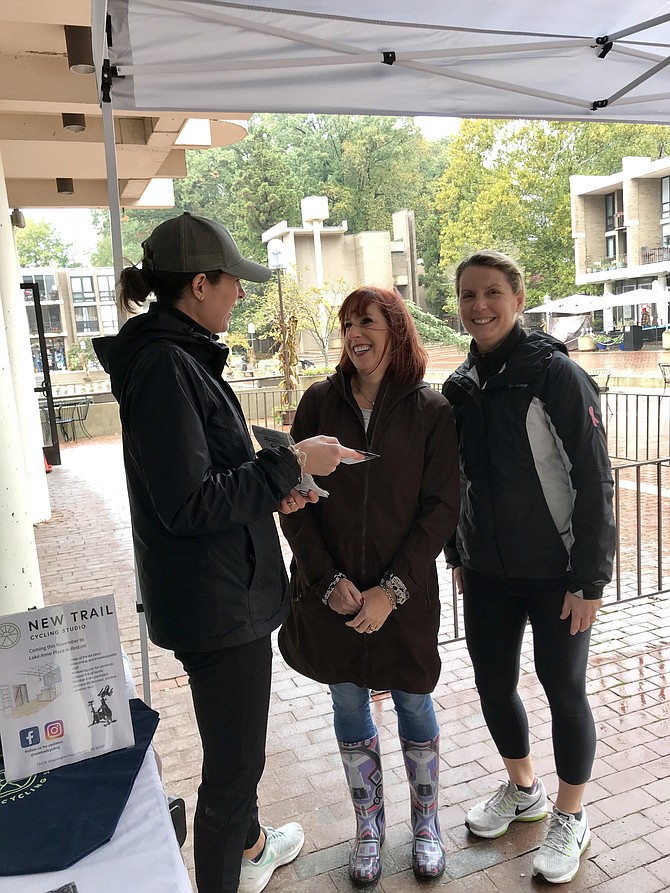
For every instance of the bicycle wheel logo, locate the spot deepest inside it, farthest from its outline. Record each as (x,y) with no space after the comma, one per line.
(9,635)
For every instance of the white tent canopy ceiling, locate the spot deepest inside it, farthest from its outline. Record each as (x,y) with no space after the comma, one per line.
(604,60)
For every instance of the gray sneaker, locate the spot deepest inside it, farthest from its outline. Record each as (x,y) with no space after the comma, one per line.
(282,845)
(557,860)
(494,816)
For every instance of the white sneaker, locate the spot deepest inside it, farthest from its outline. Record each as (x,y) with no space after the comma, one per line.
(282,845)
(557,860)
(494,816)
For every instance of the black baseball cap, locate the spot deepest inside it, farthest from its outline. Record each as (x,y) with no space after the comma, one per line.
(190,244)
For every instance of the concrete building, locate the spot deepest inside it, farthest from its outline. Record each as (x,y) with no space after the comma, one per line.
(317,254)
(621,228)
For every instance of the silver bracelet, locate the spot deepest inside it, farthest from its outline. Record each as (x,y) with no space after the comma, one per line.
(329,591)
(396,586)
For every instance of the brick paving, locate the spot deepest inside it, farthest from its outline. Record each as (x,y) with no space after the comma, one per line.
(85,550)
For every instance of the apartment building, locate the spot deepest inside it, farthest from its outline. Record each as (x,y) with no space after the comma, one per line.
(621,229)
(76,304)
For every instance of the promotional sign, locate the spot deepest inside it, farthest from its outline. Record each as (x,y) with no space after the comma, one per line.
(62,686)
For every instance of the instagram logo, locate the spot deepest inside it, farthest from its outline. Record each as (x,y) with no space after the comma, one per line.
(54,729)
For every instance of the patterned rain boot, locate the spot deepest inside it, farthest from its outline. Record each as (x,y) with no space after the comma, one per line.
(363,770)
(422,763)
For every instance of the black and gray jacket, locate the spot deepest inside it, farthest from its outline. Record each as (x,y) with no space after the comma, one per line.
(537,482)
(201,501)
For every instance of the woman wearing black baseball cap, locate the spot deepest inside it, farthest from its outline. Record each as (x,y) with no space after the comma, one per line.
(208,558)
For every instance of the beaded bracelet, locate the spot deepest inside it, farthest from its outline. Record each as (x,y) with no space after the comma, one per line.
(392,584)
(336,579)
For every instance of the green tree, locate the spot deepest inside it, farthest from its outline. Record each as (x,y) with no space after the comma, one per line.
(39,244)
(136,225)
(367,166)
(317,311)
(433,330)
(81,355)
(507,185)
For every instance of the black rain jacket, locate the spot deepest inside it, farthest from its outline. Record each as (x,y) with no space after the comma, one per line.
(208,558)
(537,483)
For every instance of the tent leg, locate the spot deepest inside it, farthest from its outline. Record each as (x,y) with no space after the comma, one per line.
(113,188)
(144,643)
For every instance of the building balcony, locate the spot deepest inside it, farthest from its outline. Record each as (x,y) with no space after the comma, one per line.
(606,263)
(657,255)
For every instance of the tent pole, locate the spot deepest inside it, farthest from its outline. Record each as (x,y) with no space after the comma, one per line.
(114,199)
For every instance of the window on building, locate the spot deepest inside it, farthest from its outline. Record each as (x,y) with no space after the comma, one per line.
(55,355)
(665,196)
(52,320)
(46,284)
(109,319)
(86,320)
(610,207)
(32,320)
(82,288)
(610,246)
(665,233)
(106,288)
(50,317)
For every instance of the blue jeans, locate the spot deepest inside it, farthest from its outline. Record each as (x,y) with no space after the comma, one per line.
(353,721)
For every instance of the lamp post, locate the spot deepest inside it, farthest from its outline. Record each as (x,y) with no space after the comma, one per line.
(276,262)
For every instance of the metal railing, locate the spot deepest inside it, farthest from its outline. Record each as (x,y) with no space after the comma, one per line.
(638,433)
(638,425)
(642,512)
(642,558)
(656,255)
(266,406)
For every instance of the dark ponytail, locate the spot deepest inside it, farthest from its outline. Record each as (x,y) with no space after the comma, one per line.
(136,284)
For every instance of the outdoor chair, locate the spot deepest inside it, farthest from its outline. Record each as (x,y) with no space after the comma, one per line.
(665,372)
(69,413)
(601,378)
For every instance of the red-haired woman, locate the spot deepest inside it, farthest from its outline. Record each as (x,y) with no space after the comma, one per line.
(364,590)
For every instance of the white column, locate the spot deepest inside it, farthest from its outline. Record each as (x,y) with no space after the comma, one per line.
(317,226)
(21,363)
(20,584)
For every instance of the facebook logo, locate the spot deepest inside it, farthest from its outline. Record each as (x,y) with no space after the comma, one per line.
(29,737)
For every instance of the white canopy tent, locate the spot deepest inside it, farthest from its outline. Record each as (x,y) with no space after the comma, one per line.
(474,58)
(606,60)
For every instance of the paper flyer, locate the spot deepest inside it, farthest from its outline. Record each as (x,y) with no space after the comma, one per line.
(269,437)
(62,686)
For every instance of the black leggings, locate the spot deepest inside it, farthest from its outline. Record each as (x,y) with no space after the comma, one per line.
(496,611)
(231,696)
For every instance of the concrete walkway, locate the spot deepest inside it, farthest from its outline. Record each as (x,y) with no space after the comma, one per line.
(85,550)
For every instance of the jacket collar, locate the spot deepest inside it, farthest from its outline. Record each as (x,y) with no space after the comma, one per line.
(524,364)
